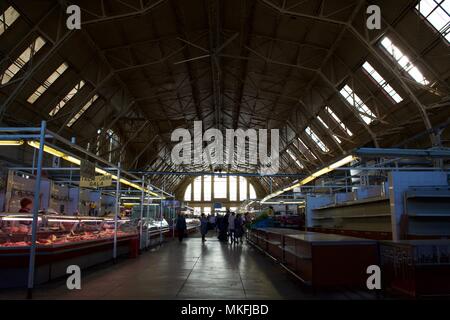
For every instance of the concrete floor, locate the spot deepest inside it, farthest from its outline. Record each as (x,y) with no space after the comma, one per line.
(190,270)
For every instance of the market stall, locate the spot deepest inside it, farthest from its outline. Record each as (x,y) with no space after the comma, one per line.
(43,231)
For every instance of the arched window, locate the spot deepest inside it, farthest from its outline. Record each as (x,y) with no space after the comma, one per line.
(212,188)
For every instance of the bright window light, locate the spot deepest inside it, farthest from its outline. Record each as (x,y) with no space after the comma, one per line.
(22,60)
(252,193)
(437,13)
(403,61)
(83,110)
(310,132)
(220,187)
(303,148)
(338,121)
(198,189)
(7,18)
(293,157)
(47,83)
(188,193)
(207,188)
(243,189)
(327,127)
(233,188)
(382,82)
(365,113)
(67,98)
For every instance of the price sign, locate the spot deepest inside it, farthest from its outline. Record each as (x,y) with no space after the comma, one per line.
(98,182)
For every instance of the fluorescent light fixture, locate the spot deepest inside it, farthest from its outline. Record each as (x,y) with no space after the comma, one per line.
(11,142)
(19,219)
(62,155)
(312,177)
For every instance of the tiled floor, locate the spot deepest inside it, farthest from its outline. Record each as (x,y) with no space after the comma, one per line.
(190,270)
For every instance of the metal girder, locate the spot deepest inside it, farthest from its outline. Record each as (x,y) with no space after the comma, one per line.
(181,30)
(414,153)
(135,11)
(245,32)
(34,66)
(372,50)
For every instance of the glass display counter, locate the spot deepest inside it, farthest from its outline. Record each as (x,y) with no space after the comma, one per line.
(61,241)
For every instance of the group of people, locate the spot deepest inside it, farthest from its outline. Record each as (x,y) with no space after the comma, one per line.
(230,227)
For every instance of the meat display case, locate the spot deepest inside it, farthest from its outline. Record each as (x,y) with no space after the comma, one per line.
(319,260)
(61,241)
(416,267)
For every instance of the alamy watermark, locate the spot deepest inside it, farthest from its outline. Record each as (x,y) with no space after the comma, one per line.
(251,146)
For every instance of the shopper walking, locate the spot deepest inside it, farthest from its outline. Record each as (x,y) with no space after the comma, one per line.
(231,219)
(239,228)
(222,223)
(203,226)
(181,226)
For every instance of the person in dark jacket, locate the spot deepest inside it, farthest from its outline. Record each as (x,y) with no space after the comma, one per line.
(223,229)
(203,226)
(181,226)
(238,228)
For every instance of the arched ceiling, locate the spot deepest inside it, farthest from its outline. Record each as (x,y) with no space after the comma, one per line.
(159,65)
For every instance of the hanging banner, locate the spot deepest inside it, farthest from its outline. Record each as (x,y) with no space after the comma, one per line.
(98,182)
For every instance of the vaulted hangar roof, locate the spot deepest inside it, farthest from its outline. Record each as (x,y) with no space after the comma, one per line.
(310,68)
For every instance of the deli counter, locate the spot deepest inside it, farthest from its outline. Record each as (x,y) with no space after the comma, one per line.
(61,241)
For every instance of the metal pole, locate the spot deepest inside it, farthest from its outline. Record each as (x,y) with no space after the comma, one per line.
(37,189)
(142,212)
(34,161)
(117,212)
(160,223)
(148,212)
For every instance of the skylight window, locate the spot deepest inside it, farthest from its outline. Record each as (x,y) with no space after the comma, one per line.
(403,61)
(83,110)
(382,82)
(293,157)
(338,121)
(322,146)
(7,18)
(327,127)
(303,148)
(67,98)
(47,83)
(365,113)
(437,13)
(22,60)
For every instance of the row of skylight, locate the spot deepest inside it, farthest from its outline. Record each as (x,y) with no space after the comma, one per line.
(22,60)
(437,13)
(67,98)
(47,83)
(7,18)
(83,110)
(339,122)
(293,157)
(403,61)
(314,137)
(303,148)
(354,100)
(382,82)
(324,124)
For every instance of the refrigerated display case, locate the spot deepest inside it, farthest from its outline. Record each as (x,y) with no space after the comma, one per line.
(61,241)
